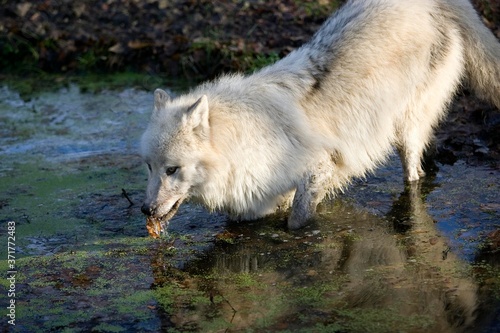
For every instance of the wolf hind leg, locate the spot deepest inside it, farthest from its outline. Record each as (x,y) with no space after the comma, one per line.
(429,102)
(413,139)
(311,189)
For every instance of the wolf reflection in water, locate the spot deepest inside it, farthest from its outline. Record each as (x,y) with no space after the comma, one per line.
(355,266)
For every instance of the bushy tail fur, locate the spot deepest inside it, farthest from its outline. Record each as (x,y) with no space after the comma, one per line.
(482,53)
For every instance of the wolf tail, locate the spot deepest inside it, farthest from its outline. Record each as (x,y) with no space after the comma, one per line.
(482,53)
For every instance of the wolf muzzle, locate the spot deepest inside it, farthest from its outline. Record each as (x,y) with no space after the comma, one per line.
(147,210)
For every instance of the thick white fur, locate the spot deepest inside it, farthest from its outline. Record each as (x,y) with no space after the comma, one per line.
(378,74)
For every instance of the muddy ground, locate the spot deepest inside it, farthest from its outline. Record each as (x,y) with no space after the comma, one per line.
(196,38)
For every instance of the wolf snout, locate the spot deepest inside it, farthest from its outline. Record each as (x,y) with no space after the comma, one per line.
(147,210)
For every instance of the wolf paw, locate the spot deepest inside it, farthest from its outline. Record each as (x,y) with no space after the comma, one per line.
(299,218)
(415,174)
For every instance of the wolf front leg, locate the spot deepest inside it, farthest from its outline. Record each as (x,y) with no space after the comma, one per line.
(311,189)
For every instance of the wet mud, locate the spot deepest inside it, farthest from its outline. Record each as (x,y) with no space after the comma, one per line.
(381,257)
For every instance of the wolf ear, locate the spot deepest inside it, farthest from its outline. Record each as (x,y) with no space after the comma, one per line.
(196,117)
(161,99)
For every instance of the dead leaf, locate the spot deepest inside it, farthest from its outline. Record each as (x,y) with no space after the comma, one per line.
(117,48)
(137,44)
(79,9)
(154,226)
(23,8)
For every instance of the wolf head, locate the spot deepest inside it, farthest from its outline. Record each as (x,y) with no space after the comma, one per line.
(172,147)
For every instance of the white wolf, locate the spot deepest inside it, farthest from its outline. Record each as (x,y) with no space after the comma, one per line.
(379,73)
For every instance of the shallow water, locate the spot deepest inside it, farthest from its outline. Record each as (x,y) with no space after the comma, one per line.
(380,258)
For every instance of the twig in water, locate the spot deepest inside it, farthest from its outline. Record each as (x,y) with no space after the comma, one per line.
(124,193)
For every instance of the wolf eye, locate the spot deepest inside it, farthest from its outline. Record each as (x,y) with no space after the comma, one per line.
(171,170)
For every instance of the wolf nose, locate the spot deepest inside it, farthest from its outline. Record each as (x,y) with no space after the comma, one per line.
(146,210)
